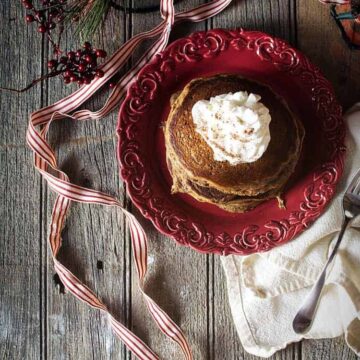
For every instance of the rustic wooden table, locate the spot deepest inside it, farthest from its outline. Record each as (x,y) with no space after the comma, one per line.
(37,319)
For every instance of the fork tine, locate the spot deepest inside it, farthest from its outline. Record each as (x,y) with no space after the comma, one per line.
(357,188)
(354,182)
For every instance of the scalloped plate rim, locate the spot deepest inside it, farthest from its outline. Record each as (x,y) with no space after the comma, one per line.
(148,215)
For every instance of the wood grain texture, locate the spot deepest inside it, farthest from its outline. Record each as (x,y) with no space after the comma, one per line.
(20,212)
(39,321)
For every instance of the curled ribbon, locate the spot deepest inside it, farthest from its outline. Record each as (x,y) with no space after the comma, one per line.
(58,181)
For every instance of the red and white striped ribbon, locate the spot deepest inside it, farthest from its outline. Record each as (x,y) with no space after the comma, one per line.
(338,2)
(46,164)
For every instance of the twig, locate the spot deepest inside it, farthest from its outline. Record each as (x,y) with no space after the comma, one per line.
(34,82)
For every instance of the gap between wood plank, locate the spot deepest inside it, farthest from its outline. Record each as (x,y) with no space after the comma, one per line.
(43,219)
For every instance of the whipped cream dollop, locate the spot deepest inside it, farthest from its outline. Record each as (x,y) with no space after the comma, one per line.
(234,125)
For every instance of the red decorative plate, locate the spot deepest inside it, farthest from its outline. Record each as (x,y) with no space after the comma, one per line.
(141,150)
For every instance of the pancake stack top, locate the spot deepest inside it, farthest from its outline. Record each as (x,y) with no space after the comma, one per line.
(235,188)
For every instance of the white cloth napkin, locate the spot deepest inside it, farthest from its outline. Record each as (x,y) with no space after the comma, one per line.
(266,290)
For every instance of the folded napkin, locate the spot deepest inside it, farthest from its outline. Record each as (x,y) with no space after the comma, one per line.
(266,290)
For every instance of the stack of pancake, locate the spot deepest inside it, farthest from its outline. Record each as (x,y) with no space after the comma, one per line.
(235,188)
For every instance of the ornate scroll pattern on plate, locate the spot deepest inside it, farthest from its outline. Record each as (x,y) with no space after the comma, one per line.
(201,46)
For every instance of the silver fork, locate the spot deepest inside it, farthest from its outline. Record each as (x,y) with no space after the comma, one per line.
(351,208)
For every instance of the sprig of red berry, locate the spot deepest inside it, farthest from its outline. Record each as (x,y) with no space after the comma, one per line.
(80,66)
(49,17)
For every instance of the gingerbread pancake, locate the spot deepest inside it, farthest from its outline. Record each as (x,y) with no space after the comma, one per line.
(232,187)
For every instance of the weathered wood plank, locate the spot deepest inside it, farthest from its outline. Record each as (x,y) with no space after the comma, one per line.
(325,349)
(178,277)
(275,17)
(20,216)
(94,245)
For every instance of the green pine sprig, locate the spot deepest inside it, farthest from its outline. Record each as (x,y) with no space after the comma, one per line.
(89,15)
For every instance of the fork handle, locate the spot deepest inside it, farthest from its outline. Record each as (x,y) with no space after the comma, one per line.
(304,317)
